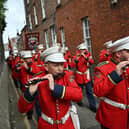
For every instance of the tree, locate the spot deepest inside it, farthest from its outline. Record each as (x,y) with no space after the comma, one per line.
(2,26)
(2,15)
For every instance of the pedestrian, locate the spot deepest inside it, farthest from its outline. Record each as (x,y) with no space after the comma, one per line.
(112,86)
(82,62)
(56,92)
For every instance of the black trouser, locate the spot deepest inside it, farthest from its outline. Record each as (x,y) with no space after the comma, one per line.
(37,108)
(29,114)
(89,93)
(102,127)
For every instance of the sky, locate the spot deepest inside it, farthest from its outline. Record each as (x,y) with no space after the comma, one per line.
(15,18)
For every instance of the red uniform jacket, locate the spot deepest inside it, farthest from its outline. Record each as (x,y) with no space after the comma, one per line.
(25,75)
(51,102)
(9,61)
(68,58)
(108,84)
(15,61)
(82,65)
(36,58)
(104,56)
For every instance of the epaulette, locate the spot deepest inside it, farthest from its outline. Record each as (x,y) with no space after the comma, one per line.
(102,63)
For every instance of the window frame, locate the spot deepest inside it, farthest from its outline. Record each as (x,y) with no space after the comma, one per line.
(30,21)
(63,37)
(46,38)
(43,9)
(35,15)
(53,34)
(86,33)
(28,1)
(58,2)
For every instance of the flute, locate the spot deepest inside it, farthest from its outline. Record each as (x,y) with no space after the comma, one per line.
(32,82)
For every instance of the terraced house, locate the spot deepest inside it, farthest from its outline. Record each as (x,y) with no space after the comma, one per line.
(71,22)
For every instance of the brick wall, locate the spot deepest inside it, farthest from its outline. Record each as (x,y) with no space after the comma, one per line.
(43,24)
(107,22)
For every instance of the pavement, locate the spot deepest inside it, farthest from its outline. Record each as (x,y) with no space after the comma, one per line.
(86,116)
(4,105)
(12,119)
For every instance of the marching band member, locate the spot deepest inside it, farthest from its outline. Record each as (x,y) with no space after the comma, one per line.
(112,86)
(82,61)
(56,92)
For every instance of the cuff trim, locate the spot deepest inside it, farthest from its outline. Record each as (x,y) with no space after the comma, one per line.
(58,91)
(115,78)
(29,70)
(75,61)
(63,94)
(27,96)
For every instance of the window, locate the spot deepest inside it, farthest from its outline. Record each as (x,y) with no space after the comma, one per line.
(46,38)
(58,2)
(62,37)
(35,16)
(53,34)
(28,1)
(43,9)
(86,33)
(30,22)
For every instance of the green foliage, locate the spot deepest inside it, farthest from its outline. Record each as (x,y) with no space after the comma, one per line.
(2,14)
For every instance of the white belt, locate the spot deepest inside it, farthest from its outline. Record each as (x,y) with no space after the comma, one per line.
(26,86)
(115,104)
(87,72)
(52,121)
(81,72)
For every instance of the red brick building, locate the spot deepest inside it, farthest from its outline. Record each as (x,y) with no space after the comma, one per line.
(71,22)
(40,16)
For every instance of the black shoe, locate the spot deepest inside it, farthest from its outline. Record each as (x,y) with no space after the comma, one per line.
(80,104)
(93,109)
(29,117)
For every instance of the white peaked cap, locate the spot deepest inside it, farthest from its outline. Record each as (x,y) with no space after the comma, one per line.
(26,54)
(66,48)
(82,46)
(120,44)
(14,48)
(40,46)
(56,44)
(53,54)
(15,51)
(22,53)
(108,44)
(33,51)
(63,50)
